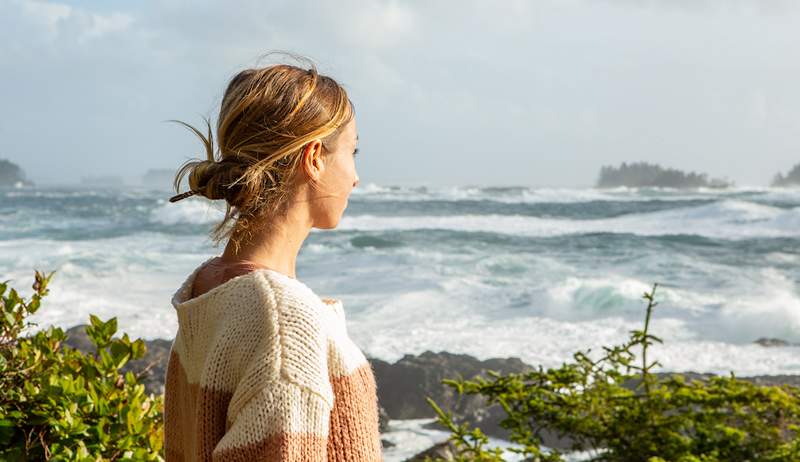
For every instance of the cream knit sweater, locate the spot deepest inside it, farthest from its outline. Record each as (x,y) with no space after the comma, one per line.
(262,369)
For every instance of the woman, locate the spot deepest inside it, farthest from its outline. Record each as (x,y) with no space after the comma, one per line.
(261,368)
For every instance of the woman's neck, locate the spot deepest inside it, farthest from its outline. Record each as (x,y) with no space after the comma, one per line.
(274,247)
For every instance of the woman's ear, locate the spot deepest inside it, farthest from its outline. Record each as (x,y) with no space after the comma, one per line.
(312,161)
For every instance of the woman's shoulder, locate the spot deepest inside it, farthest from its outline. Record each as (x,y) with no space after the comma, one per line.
(289,338)
(299,323)
(291,295)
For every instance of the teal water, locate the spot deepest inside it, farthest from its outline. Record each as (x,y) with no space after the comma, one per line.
(490,271)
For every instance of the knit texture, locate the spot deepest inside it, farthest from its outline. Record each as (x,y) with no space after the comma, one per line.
(262,369)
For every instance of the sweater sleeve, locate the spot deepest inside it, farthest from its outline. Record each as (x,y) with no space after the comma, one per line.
(282,422)
(281,407)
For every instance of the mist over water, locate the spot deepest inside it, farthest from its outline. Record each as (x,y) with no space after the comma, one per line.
(536,273)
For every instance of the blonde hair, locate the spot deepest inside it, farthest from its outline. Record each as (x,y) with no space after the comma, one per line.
(266,118)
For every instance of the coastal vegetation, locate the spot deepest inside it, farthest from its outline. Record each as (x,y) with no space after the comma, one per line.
(644,174)
(61,403)
(616,409)
(792,178)
(11,175)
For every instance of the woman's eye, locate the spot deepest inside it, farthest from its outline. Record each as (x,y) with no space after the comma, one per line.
(355,152)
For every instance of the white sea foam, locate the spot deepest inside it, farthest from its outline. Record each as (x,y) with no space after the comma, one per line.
(510,195)
(192,211)
(410,437)
(729,219)
(437,305)
(549,342)
(131,277)
(462,295)
(772,306)
(532,195)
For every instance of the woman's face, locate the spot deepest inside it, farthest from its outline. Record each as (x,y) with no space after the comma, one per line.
(336,179)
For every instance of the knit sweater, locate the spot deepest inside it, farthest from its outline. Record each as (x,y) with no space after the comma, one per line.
(262,369)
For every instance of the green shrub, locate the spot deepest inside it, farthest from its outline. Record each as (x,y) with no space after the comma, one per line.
(618,410)
(58,403)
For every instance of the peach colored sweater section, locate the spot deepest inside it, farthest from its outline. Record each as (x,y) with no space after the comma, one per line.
(262,369)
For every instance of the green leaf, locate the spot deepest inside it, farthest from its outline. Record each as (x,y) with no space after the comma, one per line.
(120,354)
(95,322)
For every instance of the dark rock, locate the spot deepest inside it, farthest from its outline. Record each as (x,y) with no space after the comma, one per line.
(774,342)
(386,443)
(445,450)
(77,339)
(403,386)
(383,418)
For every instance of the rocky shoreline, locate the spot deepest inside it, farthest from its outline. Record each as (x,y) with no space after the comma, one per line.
(404,384)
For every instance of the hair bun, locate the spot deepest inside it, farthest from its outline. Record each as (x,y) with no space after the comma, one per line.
(215,180)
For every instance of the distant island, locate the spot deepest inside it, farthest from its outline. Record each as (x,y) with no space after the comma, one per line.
(790,179)
(11,175)
(643,174)
(158,178)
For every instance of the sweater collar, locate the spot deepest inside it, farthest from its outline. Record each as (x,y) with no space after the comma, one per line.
(183,294)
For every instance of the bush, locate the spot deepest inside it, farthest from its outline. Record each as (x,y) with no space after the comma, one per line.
(61,404)
(618,410)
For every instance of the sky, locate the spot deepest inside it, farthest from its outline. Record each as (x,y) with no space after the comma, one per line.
(462,92)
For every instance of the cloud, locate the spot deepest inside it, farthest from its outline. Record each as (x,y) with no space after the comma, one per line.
(768,7)
(555,88)
(99,25)
(64,22)
(380,25)
(46,13)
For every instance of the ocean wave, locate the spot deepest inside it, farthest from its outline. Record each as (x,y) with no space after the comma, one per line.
(72,192)
(724,219)
(393,329)
(535,195)
(772,306)
(727,219)
(765,305)
(188,211)
(542,308)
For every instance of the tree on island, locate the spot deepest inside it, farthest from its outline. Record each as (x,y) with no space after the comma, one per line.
(790,179)
(644,174)
(11,174)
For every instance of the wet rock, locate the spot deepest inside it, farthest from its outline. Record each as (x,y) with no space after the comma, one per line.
(444,450)
(403,385)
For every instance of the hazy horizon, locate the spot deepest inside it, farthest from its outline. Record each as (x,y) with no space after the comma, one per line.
(446,93)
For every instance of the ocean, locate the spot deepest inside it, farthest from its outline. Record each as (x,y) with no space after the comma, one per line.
(535,273)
